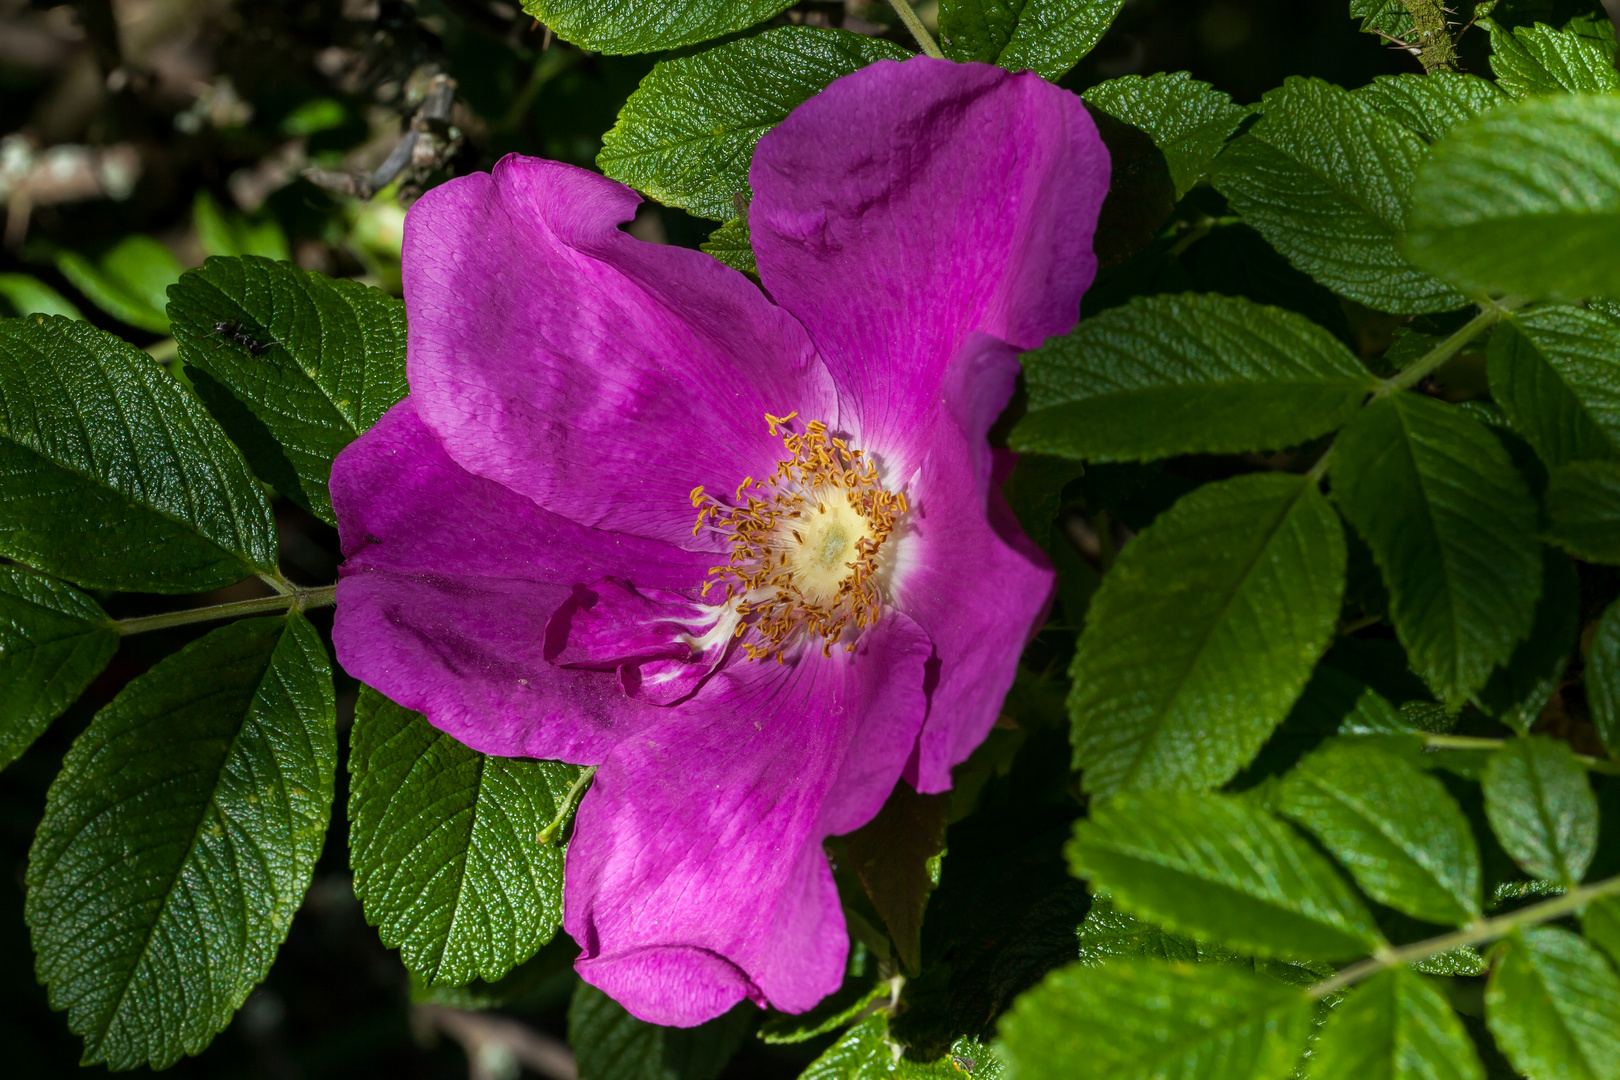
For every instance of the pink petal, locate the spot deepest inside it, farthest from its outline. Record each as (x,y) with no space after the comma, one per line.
(911,204)
(601,376)
(448,586)
(696,876)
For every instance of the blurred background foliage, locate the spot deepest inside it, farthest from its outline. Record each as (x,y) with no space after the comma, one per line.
(143,135)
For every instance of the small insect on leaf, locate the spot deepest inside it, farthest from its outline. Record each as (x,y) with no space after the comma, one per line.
(231,330)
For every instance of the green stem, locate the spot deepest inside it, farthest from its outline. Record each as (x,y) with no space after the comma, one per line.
(298,600)
(1480,933)
(924,40)
(1429,361)
(1320,467)
(1472,742)
(566,810)
(1431,35)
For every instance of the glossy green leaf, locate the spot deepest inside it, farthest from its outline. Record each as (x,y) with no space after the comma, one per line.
(1603,679)
(1326,178)
(179,838)
(1150,1019)
(1395,828)
(1582,502)
(1109,934)
(733,245)
(129,282)
(314,360)
(113,476)
(1220,869)
(1525,200)
(1431,105)
(1452,525)
(53,641)
(1553,1004)
(1045,36)
(1520,689)
(1542,809)
(610,1044)
(629,26)
(1394,1026)
(686,136)
(868,1052)
(1204,633)
(1189,120)
(1166,375)
(1555,372)
(28,295)
(1532,60)
(444,842)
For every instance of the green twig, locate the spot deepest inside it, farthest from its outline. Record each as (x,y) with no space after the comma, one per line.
(1471,742)
(1491,313)
(925,41)
(298,600)
(566,810)
(1481,932)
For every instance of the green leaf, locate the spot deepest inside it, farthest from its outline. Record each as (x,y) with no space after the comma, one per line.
(1553,1004)
(1394,1026)
(1451,524)
(1518,690)
(1166,375)
(1396,829)
(1542,809)
(1109,934)
(1326,178)
(1150,1019)
(128,283)
(1583,510)
(1603,679)
(1045,36)
(1524,200)
(444,842)
(1555,372)
(1532,60)
(1204,633)
(866,1052)
(1394,17)
(629,26)
(896,857)
(1601,925)
(1431,105)
(733,245)
(837,1011)
(113,476)
(610,1044)
(316,360)
(1189,120)
(1220,869)
(220,233)
(28,295)
(53,641)
(686,136)
(179,838)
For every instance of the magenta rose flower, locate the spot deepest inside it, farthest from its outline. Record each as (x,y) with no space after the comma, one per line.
(743,550)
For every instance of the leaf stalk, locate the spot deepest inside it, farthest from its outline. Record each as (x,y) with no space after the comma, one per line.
(1481,932)
(297,600)
(1491,312)
(925,41)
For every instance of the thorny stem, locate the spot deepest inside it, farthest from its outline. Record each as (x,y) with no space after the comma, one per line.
(924,40)
(1481,932)
(1470,742)
(297,600)
(1431,35)
(566,810)
(1490,313)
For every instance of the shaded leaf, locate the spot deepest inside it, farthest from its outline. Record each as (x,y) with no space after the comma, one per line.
(1204,633)
(53,641)
(1603,679)
(1397,830)
(113,476)
(1045,36)
(896,855)
(610,1044)
(626,26)
(1149,1019)
(1521,688)
(179,838)
(1326,178)
(1542,809)
(1452,526)
(1555,372)
(686,136)
(1583,510)
(1220,870)
(1553,1004)
(1168,375)
(444,842)
(1188,120)
(1394,1026)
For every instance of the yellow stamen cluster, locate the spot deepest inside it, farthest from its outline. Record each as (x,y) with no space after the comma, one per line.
(805,542)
